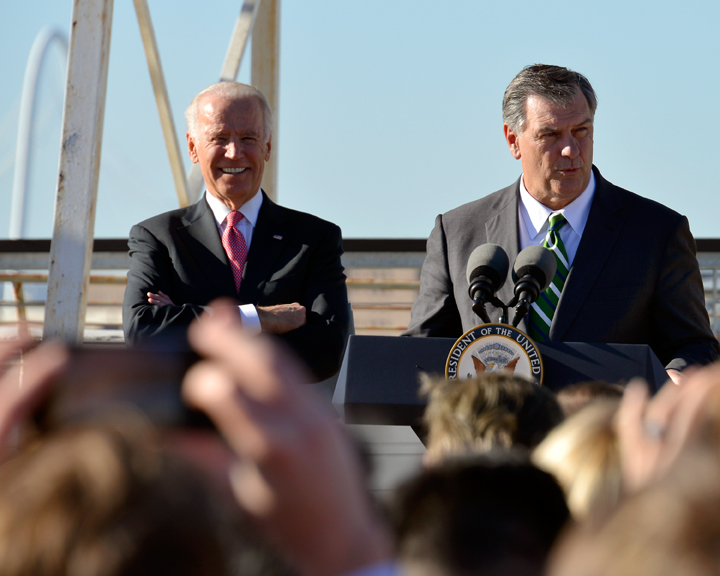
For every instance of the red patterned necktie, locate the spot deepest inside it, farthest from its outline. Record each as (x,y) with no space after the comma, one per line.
(234,243)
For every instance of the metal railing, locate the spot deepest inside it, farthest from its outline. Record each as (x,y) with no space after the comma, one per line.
(383,281)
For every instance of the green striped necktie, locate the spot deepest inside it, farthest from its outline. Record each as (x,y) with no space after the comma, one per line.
(542,311)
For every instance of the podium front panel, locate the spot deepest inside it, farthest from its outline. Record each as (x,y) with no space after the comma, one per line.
(380,375)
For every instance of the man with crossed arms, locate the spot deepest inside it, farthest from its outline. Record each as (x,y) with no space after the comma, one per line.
(627,271)
(281,266)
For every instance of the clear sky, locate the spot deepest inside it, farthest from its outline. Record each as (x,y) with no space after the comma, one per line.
(389,109)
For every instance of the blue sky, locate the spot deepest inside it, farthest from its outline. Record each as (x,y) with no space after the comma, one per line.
(390,109)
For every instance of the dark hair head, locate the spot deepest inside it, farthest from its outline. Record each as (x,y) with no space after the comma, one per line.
(556,84)
(490,514)
(109,501)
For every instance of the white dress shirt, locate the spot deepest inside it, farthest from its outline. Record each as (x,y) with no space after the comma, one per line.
(246,226)
(533,219)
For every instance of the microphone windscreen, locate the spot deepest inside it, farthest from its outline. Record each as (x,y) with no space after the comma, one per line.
(491,261)
(538,262)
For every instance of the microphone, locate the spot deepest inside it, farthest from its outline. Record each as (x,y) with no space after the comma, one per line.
(487,269)
(533,272)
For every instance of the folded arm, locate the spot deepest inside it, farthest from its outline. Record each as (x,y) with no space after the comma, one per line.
(321,340)
(277,319)
(151,272)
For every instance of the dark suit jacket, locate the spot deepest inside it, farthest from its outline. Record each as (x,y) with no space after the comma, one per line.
(635,278)
(294,257)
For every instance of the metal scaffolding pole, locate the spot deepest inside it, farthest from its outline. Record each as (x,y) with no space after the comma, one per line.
(233,58)
(266,77)
(161,98)
(76,199)
(239,39)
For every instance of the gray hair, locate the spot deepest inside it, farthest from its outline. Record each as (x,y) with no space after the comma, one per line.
(233,91)
(554,83)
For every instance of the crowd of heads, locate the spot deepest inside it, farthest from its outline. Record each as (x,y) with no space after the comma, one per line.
(516,482)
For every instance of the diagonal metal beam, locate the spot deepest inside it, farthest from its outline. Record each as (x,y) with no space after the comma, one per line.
(83,117)
(239,40)
(161,98)
(233,58)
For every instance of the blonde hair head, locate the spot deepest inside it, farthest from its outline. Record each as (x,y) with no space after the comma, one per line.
(584,456)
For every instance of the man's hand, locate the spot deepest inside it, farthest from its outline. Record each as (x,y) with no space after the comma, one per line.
(160,299)
(281,318)
(296,471)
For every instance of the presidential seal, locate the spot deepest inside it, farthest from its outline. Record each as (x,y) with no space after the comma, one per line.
(491,348)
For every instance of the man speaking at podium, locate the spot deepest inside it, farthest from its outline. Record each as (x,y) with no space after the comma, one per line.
(627,270)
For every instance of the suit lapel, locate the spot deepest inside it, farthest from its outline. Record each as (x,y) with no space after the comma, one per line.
(201,238)
(272,233)
(603,227)
(502,229)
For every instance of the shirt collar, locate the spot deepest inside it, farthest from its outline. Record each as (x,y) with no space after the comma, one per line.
(250,209)
(535,214)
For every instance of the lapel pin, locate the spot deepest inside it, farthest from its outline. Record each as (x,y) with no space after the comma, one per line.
(277,237)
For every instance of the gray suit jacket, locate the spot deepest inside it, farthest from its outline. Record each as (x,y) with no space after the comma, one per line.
(294,257)
(635,278)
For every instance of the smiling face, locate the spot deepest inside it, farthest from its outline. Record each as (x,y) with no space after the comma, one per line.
(231,147)
(555,149)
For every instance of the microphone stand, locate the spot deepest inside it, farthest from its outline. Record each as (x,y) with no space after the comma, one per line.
(499,304)
(479,309)
(481,290)
(527,291)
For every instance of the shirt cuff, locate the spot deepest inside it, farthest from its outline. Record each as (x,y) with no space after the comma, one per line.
(250,319)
